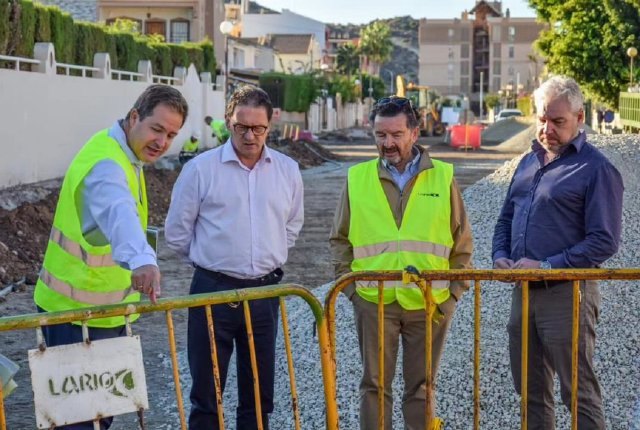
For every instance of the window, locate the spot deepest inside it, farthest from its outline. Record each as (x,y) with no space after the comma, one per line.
(464,67)
(464,34)
(511,71)
(237,60)
(450,54)
(512,33)
(511,52)
(496,33)
(464,85)
(496,83)
(451,33)
(179,31)
(497,68)
(464,50)
(497,50)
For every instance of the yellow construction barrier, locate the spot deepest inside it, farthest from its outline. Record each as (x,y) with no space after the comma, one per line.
(167,306)
(424,279)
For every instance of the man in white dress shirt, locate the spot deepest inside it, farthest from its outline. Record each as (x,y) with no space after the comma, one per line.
(235,212)
(98,252)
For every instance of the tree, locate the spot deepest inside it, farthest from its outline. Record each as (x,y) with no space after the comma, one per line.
(587,40)
(348,59)
(375,43)
(123,25)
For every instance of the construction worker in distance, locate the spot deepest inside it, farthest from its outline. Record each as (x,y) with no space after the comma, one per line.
(98,252)
(190,148)
(401,209)
(219,129)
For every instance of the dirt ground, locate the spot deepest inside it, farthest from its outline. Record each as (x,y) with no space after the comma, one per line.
(24,232)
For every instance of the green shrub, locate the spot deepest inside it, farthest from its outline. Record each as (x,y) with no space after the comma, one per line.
(179,56)
(43,24)
(524,104)
(346,87)
(162,64)
(63,36)
(5,7)
(209,58)
(195,54)
(22,23)
(298,91)
(27,29)
(125,50)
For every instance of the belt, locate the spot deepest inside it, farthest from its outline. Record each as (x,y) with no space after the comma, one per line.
(268,279)
(546,284)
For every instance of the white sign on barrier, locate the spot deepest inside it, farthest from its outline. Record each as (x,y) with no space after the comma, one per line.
(81,382)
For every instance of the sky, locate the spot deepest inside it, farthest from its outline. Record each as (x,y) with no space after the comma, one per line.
(364,11)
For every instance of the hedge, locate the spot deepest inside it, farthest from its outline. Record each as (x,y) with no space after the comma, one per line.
(23,23)
(4,25)
(299,90)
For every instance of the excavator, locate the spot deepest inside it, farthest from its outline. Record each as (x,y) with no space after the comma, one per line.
(430,124)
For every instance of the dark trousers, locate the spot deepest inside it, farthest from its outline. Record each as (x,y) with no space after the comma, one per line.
(64,334)
(550,324)
(229,328)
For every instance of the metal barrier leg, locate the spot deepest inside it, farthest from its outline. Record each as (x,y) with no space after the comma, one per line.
(524,369)
(425,286)
(292,376)
(254,364)
(176,374)
(214,362)
(328,373)
(381,380)
(575,334)
(476,356)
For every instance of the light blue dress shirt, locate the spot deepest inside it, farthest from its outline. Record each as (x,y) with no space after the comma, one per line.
(109,212)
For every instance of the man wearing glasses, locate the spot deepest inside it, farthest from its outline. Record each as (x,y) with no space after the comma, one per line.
(401,209)
(235,211)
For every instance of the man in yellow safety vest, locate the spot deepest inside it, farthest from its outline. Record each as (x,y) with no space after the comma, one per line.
(401,209)
(97,252)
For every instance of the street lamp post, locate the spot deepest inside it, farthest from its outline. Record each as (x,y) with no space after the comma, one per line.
(225,28)
(631,52)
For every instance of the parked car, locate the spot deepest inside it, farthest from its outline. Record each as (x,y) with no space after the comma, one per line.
(506,113)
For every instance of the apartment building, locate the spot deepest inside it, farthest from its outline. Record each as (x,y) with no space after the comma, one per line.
(483,45)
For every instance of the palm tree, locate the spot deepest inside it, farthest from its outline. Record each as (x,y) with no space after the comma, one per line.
(375,43)
(348,59)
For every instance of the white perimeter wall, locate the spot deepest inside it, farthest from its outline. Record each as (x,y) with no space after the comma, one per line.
(45,119)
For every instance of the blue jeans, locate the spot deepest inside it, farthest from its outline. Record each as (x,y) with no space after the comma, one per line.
(64,334)
(230,329)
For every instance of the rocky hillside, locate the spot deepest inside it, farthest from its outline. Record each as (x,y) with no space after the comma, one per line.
(404,36)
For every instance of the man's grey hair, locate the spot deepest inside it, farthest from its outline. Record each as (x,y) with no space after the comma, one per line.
(556,87)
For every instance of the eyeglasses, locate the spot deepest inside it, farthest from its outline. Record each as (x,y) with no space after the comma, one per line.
(257,130)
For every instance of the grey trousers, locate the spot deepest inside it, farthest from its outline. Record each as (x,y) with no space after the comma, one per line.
(411,326)
(550,322)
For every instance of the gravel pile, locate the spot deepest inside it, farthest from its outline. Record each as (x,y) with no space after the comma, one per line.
(617,355)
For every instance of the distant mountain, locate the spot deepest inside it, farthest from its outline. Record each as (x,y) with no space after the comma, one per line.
(404,36)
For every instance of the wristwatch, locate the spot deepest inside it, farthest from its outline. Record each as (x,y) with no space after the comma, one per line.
(544,264)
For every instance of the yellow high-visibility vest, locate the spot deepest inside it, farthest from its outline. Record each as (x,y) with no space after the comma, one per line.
(76,274)
(190,146)
(423,240)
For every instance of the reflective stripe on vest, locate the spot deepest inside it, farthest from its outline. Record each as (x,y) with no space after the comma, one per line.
(401,245)
(423,239)
(76,250)
(436,285)
(84,296)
